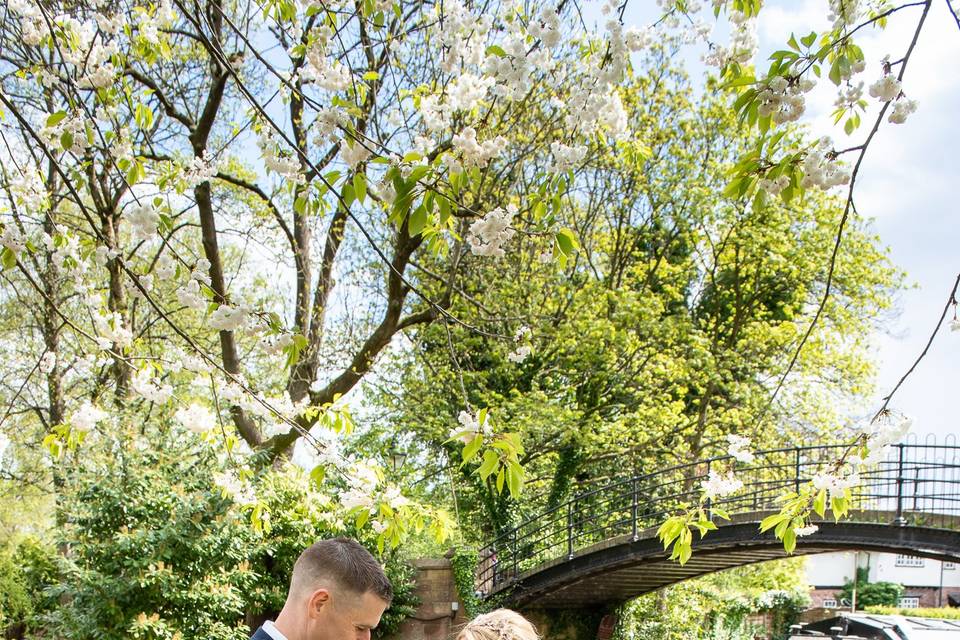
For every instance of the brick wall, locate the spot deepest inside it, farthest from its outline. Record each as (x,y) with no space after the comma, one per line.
(817,596)
(435,618)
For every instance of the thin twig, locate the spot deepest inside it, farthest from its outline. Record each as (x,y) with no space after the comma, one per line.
(951,302)
(848,208)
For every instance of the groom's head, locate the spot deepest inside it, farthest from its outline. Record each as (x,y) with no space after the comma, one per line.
(338,591)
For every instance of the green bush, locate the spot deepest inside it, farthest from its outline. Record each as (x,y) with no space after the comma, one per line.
(156,550)
(27,568)
(871,594)
(717,606)
(15,605)
(946,613)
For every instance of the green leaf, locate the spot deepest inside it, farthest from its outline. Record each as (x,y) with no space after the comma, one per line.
(567,242)
(318,475)
(66,140)
(500,478)
(495,50)
(808,40)
(740,81)
(371,75)
(789,540)
(360,186)
(839,506)
(418,172)
(490,463)
(820,503)
(515,479)
(9,258)
(362,517)
(771,521)
(300,205)
(55,118)
(418,220)
(348,195)
(471,449)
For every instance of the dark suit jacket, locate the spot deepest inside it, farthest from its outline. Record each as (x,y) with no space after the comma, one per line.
(260,634)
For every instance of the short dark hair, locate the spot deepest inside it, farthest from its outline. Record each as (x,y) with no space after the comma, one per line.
(345,562)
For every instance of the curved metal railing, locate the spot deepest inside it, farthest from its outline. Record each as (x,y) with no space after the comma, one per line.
(917,484)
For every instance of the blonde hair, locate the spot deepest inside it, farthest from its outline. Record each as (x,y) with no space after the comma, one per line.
(501,624)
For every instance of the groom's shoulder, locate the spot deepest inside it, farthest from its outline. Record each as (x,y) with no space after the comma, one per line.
(260,634)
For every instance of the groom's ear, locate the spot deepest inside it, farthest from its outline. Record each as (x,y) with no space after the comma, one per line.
(318,600)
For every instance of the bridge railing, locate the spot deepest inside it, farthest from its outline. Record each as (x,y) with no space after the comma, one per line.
(916,484)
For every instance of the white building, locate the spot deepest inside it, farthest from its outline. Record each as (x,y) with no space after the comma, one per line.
(927,583)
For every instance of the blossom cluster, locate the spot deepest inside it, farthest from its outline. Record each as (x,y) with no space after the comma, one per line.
(488,234)
(718,485)
(822,169)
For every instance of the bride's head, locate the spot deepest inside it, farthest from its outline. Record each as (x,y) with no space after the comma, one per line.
(502,624)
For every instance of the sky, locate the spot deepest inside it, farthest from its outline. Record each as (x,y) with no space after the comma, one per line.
(907,186)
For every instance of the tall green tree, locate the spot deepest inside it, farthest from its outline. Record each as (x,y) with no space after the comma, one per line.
(663,335)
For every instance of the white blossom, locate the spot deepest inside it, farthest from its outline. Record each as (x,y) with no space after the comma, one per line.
(844,12)
(807,530)
(834,484)
(354,153)
(488,234)
(547,28)
(228,318)
(48,361)
(29,190)
(150,388)
(638,38)
(466,92)
(284,165)
(471,427)
(12,239)
(198,171)
(143,220)
(195,418)
(111,24)
(902,108)
(111,331)
(955,324)
(166,268)
(520,354)
(87,417)
(240,492)
(850,96)
(717,485)
(566,157)
(101,76)
(327,73)
(189,296)
(355,499)
(739,448)
(887,429)
(474,153)
(743,42)
(822,169)
(395,498)
(886,88)
(782,100)
(774,186)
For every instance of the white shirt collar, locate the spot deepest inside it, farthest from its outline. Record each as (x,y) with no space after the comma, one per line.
(272,631)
